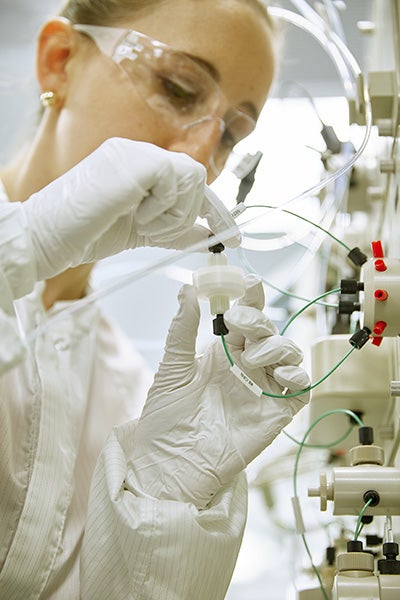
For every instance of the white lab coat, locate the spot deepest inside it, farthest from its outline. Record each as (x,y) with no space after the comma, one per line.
(69,529)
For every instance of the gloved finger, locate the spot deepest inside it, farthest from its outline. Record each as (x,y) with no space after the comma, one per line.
(245,318)
(194,236)
(146,175)
(178,209)
(254,295)
(174,222)
(219,219)
(273,350)
(159,197)
(120,236)
(247,323)
(295,379)
(180,346)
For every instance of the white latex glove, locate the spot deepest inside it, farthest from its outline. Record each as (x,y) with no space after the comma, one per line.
(124,195)
(200,425)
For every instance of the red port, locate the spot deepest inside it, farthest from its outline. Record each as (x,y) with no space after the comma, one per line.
(381,295)
(379,327)
(380,265)
(377,250)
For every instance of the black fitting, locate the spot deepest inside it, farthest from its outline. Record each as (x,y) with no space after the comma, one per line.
(354,546)
(347,307)
(357,256)
(373,496)
(216,248)
(373,539)
(389,565)
(390,550)
(367,519)
(219,327)
(360,337)
(351,286)
(330,555)
(366,435)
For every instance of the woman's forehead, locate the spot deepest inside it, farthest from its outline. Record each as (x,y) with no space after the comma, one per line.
(177,22)
(228,34)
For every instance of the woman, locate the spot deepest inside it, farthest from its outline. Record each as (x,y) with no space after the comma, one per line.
(94,504)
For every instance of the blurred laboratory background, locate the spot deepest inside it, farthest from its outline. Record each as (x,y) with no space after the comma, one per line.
(311,127)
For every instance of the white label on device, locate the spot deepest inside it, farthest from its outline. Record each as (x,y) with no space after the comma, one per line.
(246,380)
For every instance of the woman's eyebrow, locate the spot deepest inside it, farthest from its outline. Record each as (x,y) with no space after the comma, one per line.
(247,105)
(206,65)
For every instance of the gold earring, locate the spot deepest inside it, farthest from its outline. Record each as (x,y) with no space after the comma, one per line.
(48,98)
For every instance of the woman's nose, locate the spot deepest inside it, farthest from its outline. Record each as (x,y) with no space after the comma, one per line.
(201,140)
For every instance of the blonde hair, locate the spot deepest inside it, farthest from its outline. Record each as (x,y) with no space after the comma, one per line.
(112,12)
(107,12)
(104,12)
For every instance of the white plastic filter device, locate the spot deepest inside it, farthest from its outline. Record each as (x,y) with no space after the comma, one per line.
(219,283)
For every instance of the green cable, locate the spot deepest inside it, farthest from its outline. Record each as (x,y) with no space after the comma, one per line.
(359,524)
(346,411)
(251,269)
(226,350)
(295,471)
(359,531)
(314,568)
(345,246)
(316,300)
(322,379)
(330,445)
(296,314)
(300,392)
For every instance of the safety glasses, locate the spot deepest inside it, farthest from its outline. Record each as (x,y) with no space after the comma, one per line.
(180,90)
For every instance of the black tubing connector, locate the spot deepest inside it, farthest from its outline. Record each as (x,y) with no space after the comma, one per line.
(357,256)
(366,435)
(354,546)
(351,286)
(389,565)
(219,327)
(330,555)
(360,337)
(216,248)
(347,307)
(372,495)
(367,519)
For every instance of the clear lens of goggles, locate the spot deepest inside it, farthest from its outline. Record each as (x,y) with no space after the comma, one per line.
(181,91)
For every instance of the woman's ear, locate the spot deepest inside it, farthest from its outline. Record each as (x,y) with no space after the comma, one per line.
(56,45)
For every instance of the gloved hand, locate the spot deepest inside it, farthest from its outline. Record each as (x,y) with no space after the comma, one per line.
(200,425)
(124,195)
